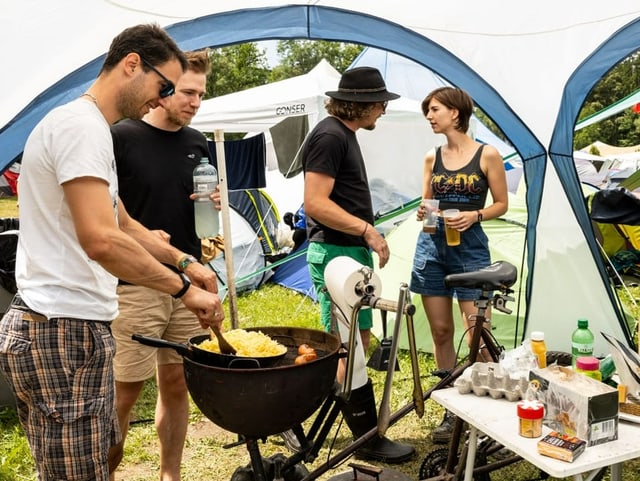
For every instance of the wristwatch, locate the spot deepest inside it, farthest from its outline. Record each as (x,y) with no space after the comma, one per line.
(479,216)
(185,260)
(186,283)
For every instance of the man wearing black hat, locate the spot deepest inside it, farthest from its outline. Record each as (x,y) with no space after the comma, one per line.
(339,211)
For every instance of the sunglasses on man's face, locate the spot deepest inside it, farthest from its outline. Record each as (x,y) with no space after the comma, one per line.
(168,88)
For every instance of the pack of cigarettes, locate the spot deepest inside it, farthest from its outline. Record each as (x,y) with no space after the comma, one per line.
(561,446)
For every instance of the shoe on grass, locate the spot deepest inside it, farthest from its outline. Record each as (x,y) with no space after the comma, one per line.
(442,434)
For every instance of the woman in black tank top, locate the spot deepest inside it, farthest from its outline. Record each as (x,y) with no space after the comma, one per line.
(459,174)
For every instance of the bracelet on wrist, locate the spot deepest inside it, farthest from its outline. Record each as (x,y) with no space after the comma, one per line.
(366,226)
(186,283)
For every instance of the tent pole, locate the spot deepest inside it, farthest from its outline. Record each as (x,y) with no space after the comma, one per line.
(218,136)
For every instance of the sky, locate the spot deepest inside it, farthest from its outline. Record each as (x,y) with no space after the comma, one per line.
(270,47)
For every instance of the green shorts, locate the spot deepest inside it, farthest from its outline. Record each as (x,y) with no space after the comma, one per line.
(318,256)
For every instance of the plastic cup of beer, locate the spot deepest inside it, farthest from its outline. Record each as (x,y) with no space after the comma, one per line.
(430,220)
(452,235)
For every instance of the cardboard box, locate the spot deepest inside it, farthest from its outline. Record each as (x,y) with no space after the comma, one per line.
(561,446)
(577,405)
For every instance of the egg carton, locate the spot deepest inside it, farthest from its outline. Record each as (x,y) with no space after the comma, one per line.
(484,378)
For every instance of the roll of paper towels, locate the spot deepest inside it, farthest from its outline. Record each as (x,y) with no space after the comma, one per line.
(345,278)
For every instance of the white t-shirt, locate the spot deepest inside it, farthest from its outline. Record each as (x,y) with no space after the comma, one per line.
(55,277)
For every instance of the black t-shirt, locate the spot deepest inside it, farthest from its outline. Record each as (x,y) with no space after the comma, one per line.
(332,149)
(465,189)
(155,178)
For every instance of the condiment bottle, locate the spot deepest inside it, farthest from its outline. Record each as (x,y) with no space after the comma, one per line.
(581,341)
(530,414)
(589,366)
(539,348)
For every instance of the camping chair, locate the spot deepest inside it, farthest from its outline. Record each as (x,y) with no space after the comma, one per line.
(616,206)
(616,215)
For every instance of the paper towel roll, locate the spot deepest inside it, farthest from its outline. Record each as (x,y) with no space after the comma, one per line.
(345,277)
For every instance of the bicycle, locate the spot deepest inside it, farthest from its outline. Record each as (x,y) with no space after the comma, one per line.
(499,276)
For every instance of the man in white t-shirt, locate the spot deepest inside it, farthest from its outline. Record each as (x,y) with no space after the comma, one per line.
(76,240)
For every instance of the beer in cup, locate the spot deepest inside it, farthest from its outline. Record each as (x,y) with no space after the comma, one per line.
(430,220)
(453,235)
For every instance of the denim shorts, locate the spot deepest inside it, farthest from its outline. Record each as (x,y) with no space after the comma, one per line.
(433,260)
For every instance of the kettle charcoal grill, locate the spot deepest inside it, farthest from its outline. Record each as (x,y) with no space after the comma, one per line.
(258,402)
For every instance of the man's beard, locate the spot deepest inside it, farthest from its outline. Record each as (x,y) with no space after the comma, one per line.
(129,102)
(177,120)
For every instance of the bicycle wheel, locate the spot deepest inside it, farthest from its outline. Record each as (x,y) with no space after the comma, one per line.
(561,357)
(435,462)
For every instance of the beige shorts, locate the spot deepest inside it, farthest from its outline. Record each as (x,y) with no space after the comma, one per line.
(150,313)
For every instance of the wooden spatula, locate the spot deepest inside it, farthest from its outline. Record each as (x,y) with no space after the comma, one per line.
(225,347)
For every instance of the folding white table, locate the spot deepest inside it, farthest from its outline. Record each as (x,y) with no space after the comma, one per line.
(497,418)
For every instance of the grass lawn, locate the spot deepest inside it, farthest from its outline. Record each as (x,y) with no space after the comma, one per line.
(8,207)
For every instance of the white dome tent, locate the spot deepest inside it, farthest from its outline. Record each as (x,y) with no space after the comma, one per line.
(529,66)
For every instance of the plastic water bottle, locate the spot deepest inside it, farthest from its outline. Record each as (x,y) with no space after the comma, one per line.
(205,180)
(581,342)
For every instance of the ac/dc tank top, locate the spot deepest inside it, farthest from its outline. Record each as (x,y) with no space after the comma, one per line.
(465,189)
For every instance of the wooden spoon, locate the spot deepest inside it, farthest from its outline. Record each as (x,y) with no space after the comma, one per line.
(225,347)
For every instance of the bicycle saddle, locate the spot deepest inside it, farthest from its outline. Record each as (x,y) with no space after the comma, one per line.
(498,276)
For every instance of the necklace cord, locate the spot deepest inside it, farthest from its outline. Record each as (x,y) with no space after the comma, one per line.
(91,96)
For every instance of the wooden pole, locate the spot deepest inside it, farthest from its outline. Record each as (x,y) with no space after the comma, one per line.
(218,136)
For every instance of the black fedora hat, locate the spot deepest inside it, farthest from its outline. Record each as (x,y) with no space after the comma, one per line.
(362,84)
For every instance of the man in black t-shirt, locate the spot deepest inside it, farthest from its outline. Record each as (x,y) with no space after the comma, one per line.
(339,212)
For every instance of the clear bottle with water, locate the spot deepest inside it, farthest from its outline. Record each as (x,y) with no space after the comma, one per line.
(205,180)
(581,342)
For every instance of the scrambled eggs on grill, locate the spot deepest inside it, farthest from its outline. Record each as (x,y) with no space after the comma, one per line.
(247,344)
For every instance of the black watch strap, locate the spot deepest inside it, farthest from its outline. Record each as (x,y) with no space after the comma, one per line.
(186,283)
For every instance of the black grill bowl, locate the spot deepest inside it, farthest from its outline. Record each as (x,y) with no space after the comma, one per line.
(258,402)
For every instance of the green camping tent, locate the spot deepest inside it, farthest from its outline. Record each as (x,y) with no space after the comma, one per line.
(506,242)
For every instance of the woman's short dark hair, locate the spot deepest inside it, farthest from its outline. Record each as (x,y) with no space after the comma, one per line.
(452,98)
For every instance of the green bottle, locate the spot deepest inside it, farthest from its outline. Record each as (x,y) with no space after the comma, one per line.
(607,367)
(581,342)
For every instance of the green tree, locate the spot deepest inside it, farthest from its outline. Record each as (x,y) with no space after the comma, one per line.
(300,56)
(242,66)
(236,67)
(622,129)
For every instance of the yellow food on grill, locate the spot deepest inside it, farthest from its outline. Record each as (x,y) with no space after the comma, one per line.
(247,344)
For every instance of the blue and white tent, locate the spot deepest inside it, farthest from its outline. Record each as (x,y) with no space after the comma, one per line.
(529,66)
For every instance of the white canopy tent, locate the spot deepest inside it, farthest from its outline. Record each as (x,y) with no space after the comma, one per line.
(529,66)
(260,108)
